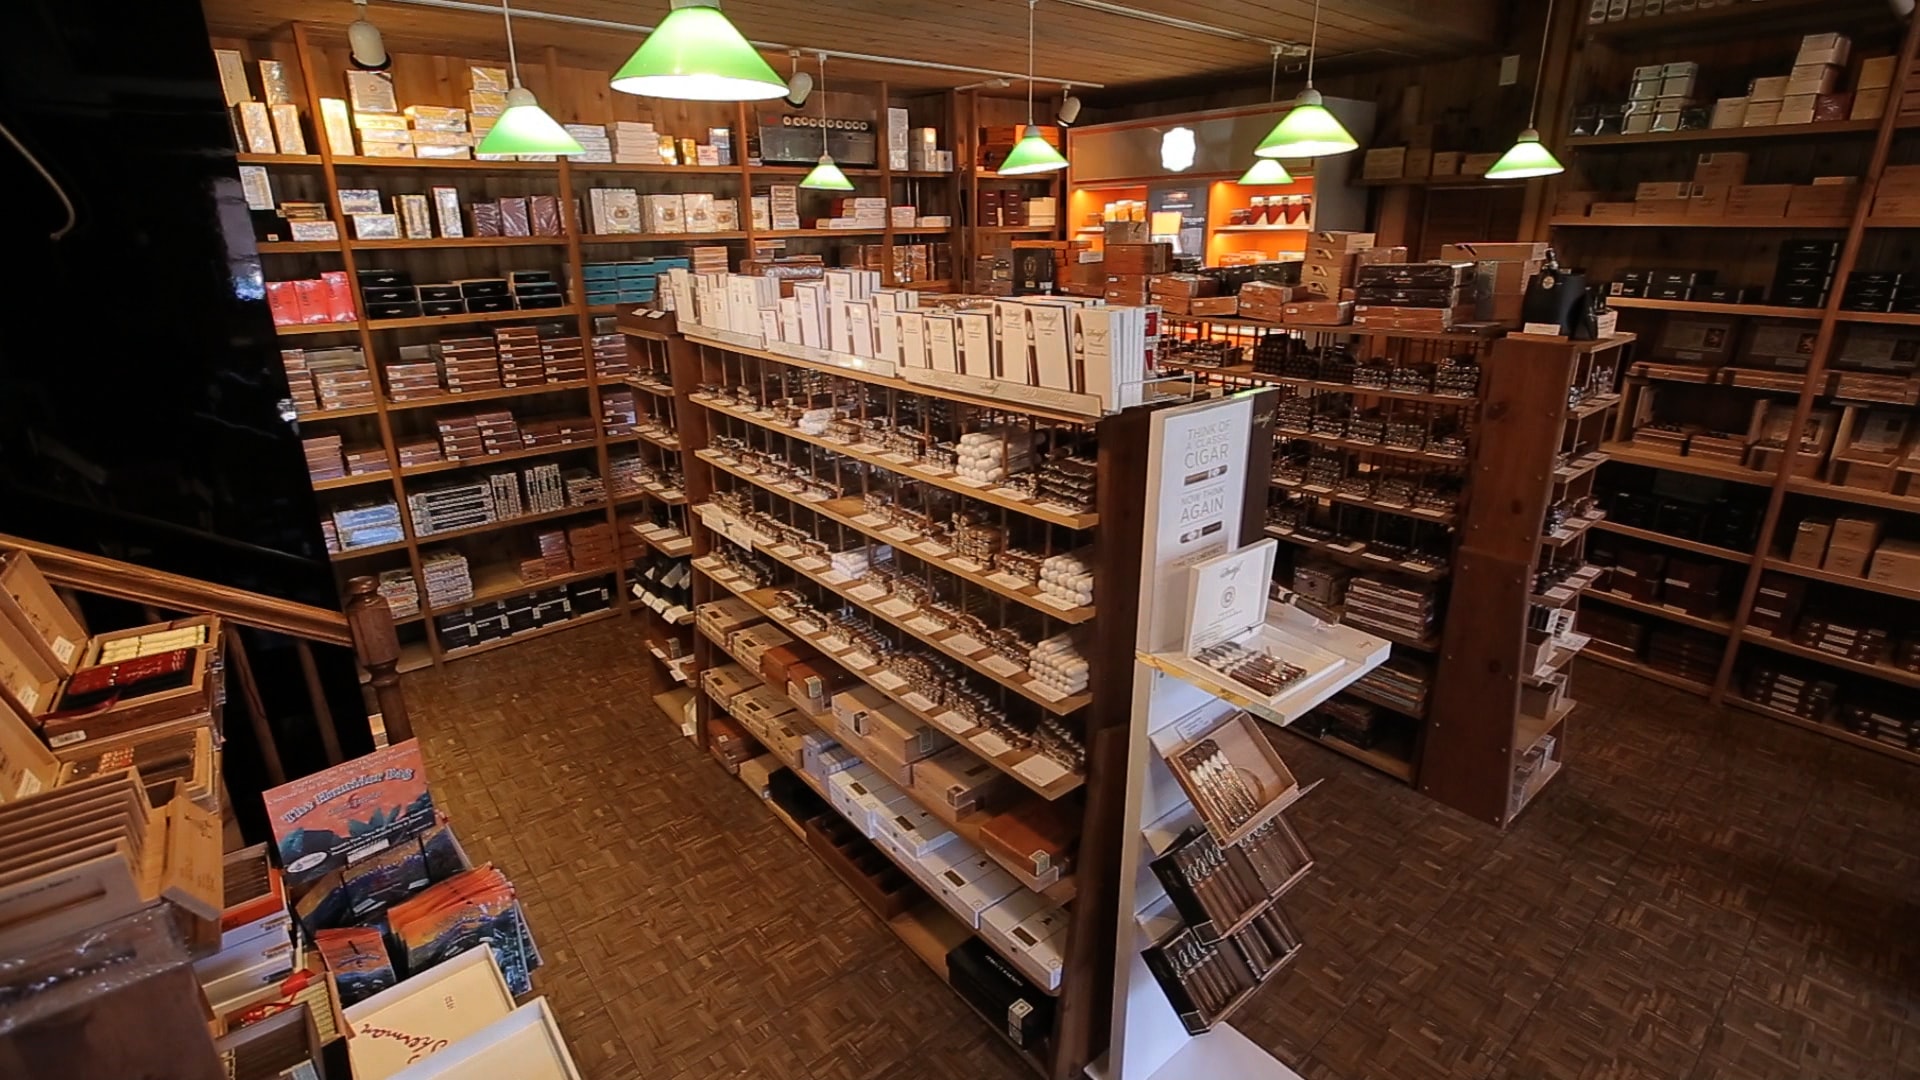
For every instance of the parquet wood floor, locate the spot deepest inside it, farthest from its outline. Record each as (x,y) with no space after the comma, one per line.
(1703,896)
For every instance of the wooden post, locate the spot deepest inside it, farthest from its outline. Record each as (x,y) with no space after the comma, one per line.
(374,641)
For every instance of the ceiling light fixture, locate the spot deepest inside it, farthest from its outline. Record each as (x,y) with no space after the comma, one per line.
(695,54)
(1529,157)
(1033,153)
(1267,171)
(1308,129)
(799,84)
(364,46)
(525,127)
(826,176)
(1069,107)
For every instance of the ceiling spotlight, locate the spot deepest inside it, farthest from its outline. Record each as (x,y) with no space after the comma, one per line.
(368,52)
(1069,107)
(799,84)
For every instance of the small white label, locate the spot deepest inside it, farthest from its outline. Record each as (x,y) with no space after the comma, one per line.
(63,649)
(68,739)
(29,785)
(964,565)
(1049,692)
(1012,493)
(963,644)
(1001,666)
(858,660)
(1040,769)
(871,521)
(868,591)
(932,470)
(781,612)
(954,722)
(813,496)
(933,548)
(900,534)
(920,624)
(806,627)
(917,702)
(835,577)
(1011,581)
(896,608)
(993,745)
(811,562)
(29,697)
(1058,603)
(897,459)
(968,481)
(865,448)
(835,643)
(785,551)
(887,680)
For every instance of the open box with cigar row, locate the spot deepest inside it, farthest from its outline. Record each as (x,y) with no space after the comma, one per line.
(1235,778)
(1206,980)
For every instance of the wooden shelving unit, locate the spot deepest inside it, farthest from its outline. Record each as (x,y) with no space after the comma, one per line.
(1800,482)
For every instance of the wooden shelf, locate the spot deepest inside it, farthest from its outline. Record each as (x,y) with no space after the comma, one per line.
(1015,230)
(1695,546)
(763,601)
(1722,21)
(1882,318)
(792,234)
(922,230)
(1356,558)
(446,164)
(1438,181)
(301,329)
(1264,229)
(458,242)
(528,635)
(1022,684)
(657,167)
(363,552)
(1330,495)
(355,480)
(1831,731)
(847,512)
(566,312)
(1677,221)
(499,582)
(1801,485)
(662,238)
(1283,434)
(1889,222)
(511,522)
(1864,585)
(312,160)
(1884,672)
(1661,611)
(298,247)
(803,170)
(1245,371)
(1631,455)
(1362,692)
(487,395)
(1739,134)
(906,470)
(337,414)
(1602,653)
(1694,307)
(491,459)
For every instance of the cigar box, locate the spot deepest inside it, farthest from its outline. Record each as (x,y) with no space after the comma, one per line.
(1234,777)
(439,1006)
(1138,258)
(27,767)
(30,602)
(776,664)
(1320,313)
(1037,837)
(960,781)
(180,753)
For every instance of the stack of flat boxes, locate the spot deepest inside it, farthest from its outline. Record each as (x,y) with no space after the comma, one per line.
(618,412)
(535,290)
(553,560)
(368,525)
(1805,273)
(634,281)
(594,141)
(1691,654)
(711,259)
(341,379)
(366,461)
(610,356)
(416,375)
(1327,277)
(1429,297)
(507,503)
(1501,274)
(545,492)
(448,580)
(460,438)
(584,488)
(499,432)
(635,143)
(593,547)
(625,472)
(419,453)
(401,592)
(1129,270)
(324,460)
(469,364)
(299,381)
(445,509)
(564,358)
(518,350)
(559,431)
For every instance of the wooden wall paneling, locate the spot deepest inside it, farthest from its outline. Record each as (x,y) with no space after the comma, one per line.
(1467,761)
(1823,346)
(310,77)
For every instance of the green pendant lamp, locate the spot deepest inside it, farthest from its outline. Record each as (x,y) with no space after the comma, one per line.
(1308,129)
(1033,153)
(1266,171)
(826,176)
(695,54)
(525,127)
(1529,158)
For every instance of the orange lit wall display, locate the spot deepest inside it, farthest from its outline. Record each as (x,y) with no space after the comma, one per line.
(1086,204)
(1228,242)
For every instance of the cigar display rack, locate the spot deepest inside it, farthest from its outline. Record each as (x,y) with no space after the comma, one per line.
(1775,397)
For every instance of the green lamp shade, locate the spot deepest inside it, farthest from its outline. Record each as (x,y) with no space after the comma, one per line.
(525,128)
(1266,170)
(826,176)
(695,54)
(1032,154)
(1528,158)
(1308,130)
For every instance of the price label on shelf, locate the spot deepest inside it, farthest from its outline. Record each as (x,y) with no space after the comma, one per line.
(811,563)
(784,551)
(896,458)
(1057,603)
(781,612)
(806,627)
(990,744)
(963,644)
(1001,666)
(917,702)
(932,470)
(933,548)
(869,591)
(1013,493)
(965,565)
(920,624)
(1048,692)
(896,608)
(887,680)
(865,448)
(858,660)
(954,722)
(1040,769)
(836,577)
(968,481)
(870,520)
(1011,581)
(900,534)
(835,643)
(813,496)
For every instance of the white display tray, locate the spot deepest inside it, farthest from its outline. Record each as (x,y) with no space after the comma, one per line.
(524,1045)
(1333,655)
(403,1024)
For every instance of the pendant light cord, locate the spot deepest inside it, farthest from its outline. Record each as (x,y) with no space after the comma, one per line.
(1540,67)
(513,58)
(823,105)
(1313,43)
(1031,4)
(1273,80)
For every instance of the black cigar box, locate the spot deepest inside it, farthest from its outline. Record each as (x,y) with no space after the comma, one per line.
(407,310)
(479,304)
(476,287)
(374,277)
(443,291)
(389,294)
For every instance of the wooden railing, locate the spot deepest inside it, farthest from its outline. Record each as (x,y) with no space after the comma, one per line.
(367,628)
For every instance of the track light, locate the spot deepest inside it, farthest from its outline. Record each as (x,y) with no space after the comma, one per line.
(364,46)
(799,84)
(1069,107)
